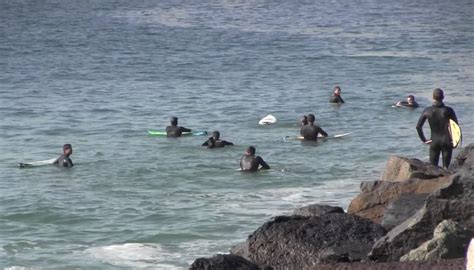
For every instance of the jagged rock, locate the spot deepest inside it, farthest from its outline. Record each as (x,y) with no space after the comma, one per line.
(372,202)
(401,209)
(450,240)
(470,256)
(401,169)
(317,210)
(223,262)
(465,158)
(455,201)
(298,242)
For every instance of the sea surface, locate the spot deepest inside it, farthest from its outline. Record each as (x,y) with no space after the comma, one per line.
(99,74)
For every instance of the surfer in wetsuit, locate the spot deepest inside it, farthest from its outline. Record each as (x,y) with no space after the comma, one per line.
(64,160)
(410,103)
(215,142)
(336,96)
(251,163)
(438,116)
(304,120)
(174,131)
(310,131)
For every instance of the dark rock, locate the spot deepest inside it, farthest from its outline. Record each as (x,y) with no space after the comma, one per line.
(465,158)
(373,201)
(450,241)
(453,201)
(317,210)
(401,209)
(299,242)
(223,262)
(401,169)
(453,264)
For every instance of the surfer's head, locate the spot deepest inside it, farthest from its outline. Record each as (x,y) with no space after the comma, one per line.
(410,99)
(311,118)
(67,149)
(216,135)
(174,121)
(304,120)
(250,151)
(337,90)
(438,94)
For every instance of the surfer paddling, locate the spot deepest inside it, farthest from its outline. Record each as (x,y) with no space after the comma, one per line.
(410,102)
(310,131)
(64,160)
(251,163)
(175,131)
(336,96)
(215,141)
(438,116)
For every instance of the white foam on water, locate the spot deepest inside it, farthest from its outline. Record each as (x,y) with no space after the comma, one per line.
(136,255)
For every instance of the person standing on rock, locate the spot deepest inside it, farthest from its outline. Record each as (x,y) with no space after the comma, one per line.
(438,116)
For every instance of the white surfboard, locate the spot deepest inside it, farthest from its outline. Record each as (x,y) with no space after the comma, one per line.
(267,120)
(455,132)
(319,136)
(36,163)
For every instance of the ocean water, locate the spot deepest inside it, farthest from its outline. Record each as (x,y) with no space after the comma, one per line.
(98,74)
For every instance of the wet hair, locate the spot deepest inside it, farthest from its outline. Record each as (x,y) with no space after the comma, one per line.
(412,97)
(251,150)
(311,118)
(216,135)
(438,94)
(337,87)
(67,146)
(174,121)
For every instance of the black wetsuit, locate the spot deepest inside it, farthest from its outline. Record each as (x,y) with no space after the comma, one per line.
(175,131)
(251,163)
(211,143)
(64,161)
(335,98)
(438,117)
(310,132)
(406,104)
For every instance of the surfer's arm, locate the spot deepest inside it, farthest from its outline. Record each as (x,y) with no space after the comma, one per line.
(227,143)
(323,132)
(183,129)
(419,127)
(262,163)
(453,116)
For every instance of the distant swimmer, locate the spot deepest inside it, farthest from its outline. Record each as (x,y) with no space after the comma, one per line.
(310,131)
(64,160)
(438,116)
(174,131)
(336,96)
(410,102)
(215,142)
(251,163)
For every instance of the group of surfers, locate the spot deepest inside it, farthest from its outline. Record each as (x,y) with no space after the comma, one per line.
(438,116)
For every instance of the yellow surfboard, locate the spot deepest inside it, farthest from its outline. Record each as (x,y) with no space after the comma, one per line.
(455,131)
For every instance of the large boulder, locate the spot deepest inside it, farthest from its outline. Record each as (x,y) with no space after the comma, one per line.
(465,158)
(375,196)
(455,201)
(299,242)
(450,240)
(223,262)
(402,168)
(317,210)
(400,210)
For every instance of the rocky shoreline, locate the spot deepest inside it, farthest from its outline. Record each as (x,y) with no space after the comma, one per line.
(417,216)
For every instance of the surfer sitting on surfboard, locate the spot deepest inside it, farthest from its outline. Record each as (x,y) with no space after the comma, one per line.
(64,160)
(215,142)
(251,163)
(336,96)
(310,131)
(438,116)
(410,103)
(174,131)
